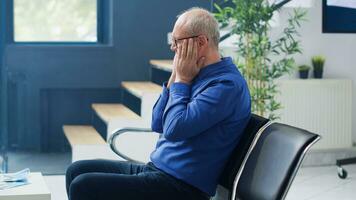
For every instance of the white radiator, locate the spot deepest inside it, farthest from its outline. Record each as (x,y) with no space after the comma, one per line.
(322,106)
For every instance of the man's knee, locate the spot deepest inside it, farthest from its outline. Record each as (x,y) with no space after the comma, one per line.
(81,186)
(74,169)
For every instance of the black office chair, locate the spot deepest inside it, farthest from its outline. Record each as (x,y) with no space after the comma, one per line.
(278,145)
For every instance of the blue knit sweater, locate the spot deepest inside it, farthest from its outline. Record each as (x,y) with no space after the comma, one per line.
(200,124)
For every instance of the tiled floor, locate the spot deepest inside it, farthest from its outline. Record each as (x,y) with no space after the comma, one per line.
(322,183)
(311,183)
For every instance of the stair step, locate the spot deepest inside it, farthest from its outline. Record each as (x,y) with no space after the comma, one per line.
(87,143)
(82,135)
(140,88)
(165,65)
(109,111)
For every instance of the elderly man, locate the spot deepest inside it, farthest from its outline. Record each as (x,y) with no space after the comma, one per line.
(201,114)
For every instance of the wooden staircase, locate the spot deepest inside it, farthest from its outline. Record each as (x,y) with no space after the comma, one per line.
(135,110)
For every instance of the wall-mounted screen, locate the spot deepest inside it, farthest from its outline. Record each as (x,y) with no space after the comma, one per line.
(339,16)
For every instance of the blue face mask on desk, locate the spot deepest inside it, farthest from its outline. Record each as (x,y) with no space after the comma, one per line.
(11,180)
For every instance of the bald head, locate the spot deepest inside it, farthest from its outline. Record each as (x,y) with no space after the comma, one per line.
(197,21)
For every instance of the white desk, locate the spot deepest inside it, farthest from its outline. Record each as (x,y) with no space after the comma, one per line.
(36,190)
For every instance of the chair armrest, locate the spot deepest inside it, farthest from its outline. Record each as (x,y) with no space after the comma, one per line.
(122,131)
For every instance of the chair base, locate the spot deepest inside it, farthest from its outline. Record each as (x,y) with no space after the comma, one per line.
(341,172)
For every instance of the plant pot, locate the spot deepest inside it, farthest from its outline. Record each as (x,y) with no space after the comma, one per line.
(318,73)
(304,74)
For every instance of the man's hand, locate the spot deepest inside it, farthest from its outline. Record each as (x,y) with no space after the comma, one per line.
(186,62)
(172,78)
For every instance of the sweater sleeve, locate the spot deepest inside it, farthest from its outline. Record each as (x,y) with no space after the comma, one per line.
(158,109)
(185,117)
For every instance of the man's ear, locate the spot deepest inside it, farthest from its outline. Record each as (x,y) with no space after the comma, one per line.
(202,41)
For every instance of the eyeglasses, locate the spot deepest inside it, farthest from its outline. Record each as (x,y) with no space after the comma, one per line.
(175,41)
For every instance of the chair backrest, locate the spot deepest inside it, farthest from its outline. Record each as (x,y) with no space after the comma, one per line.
(238,154)
(270,167)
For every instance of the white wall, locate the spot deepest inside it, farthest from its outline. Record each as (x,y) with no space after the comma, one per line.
(339,50)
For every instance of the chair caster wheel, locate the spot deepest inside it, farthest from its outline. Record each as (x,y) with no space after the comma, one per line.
(341,172)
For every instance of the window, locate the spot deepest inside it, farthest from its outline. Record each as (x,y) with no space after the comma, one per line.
(55,21)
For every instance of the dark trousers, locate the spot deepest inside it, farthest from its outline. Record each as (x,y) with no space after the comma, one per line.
(118,180)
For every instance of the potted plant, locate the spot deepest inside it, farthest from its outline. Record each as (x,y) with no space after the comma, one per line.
(318,66)
(261,58)
(303,71)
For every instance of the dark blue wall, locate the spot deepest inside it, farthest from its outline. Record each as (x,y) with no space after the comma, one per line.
(3,113)
(135,31)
